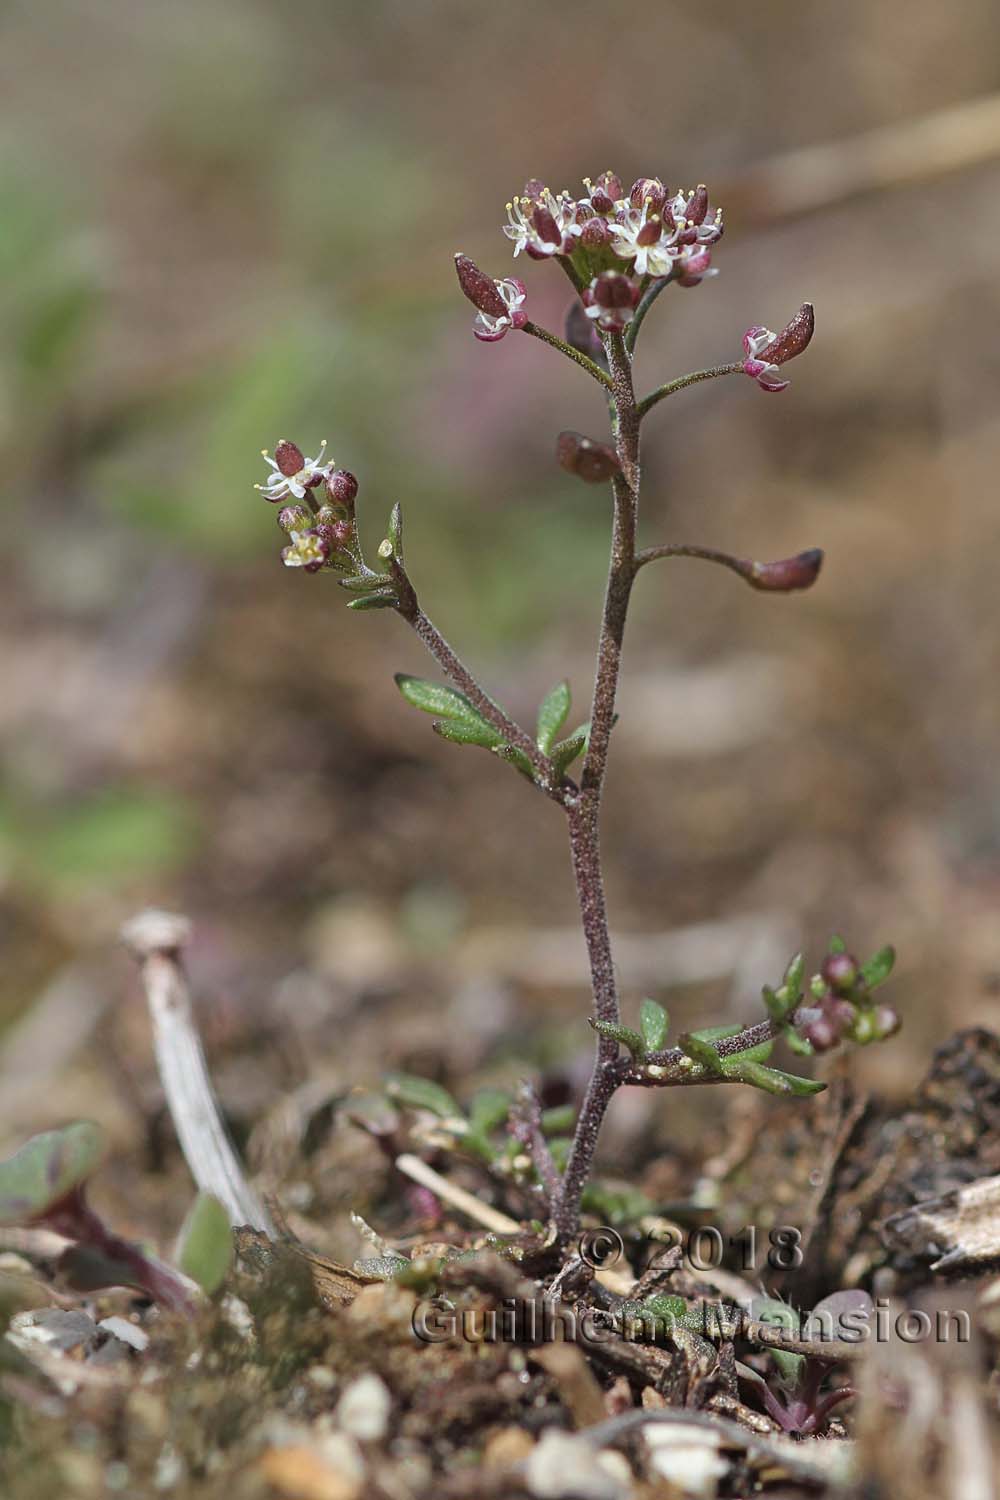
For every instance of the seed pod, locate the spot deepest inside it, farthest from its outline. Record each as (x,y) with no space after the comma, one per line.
(590,461)
(480,289)
(791,573)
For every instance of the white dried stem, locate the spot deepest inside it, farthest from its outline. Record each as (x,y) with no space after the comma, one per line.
(156,939)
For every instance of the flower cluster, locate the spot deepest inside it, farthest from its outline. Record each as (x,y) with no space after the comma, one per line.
(322,532)
(647,231)
(840,1004)
(611,242)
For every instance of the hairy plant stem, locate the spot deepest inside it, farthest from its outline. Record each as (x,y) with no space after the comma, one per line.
(576,355)
(583,810)
(660,394)
(452,665)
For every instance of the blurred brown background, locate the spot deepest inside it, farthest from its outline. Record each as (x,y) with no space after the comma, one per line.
(225,223)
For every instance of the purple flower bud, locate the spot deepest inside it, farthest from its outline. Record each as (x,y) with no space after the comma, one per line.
(790,573)
(289,459)
(595,234)
(648,190)
(650,231)
(545,225)
(341,486)
(693,265)
(816,1029)
(294,518)
(605,193)
(480,289)
(697,205)
(841,972)
(533,189)
(590,461)
(610,300)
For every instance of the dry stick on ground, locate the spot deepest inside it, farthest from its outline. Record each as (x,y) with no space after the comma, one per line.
(156,939)
(913,151)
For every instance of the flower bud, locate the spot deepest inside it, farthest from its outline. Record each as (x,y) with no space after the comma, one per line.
(697,205)
(648,190)
(887,1022)
(480,289)
(294,518)
(289,458)
(595,234)
(841,972)
(610,300)
(605,192)
(341,486)
(545,225)
(819,1031)
(336,534)
(590,461)
(799,572)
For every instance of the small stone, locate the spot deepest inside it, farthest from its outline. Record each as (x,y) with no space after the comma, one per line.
(562,1467)
(507,1447)
(364,1409)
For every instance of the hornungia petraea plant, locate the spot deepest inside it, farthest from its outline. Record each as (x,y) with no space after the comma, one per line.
(620,252)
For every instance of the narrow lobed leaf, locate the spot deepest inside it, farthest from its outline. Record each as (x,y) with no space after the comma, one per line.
(374,601)
(878,968)
(422,1093)
(205,1243)
(468,732)
(654,1024)
(552,716)
(624,1034)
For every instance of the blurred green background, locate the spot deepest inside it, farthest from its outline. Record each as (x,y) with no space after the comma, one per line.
(229,222)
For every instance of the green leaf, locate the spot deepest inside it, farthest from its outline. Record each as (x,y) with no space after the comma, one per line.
(374,601)
(796,1043)
(205,1244)
(552,716)
(772,1080)
(46,1169)
(878,968)
(654,1024)
(794,976)
(624,1034)
(396,532)
(837,944)
(516,758)
(558,1120)
(435,698)
(695,1045)
(776,1007)
(357,583)
(421,1093)
(488,1110)
(468,732)
(567,751)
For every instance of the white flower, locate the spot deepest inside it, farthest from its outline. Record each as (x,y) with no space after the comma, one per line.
(542,225)
(655,259)
(282,484)
(307,550)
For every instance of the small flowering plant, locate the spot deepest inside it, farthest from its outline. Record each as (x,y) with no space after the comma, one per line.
(620,251)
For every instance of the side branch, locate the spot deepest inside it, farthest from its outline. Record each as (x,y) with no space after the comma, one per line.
(578,358)
(646,301)
(782,577)
(682,381)
(453,667)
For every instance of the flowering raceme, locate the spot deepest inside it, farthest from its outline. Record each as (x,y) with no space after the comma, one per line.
(645,235)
